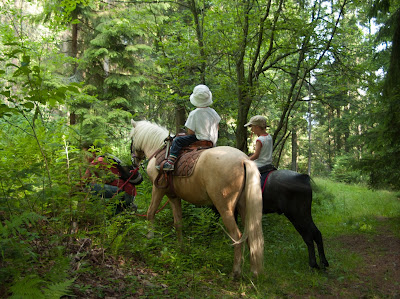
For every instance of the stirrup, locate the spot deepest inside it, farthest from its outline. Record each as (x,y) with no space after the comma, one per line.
(168,167)
(165,167)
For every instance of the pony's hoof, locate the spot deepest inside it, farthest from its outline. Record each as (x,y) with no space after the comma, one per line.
(325,265)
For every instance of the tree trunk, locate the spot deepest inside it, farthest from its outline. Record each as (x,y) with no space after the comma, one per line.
(199,34)
(338,129)
(309,138)
(180,118)
(330,151)
(294,149)
(74,53)
(244,101)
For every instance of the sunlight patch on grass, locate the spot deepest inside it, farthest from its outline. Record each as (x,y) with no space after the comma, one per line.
(352,207)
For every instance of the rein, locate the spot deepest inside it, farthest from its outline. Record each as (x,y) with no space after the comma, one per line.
(134,171)
(142,164)
(158,211)
(266,179)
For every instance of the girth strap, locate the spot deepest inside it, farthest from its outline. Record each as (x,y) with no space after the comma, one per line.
(168,178)
(266,179)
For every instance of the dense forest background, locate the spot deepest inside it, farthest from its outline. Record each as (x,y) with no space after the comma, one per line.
(326,74)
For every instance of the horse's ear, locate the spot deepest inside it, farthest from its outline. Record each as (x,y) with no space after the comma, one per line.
(133,123)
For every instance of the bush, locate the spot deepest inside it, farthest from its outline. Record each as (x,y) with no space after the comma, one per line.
(343,171)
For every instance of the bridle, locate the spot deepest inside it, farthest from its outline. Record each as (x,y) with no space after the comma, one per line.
(137,156)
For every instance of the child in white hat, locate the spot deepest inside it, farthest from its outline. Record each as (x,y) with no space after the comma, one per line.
(202,124)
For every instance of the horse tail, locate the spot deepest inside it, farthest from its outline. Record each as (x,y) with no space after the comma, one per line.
(253,222)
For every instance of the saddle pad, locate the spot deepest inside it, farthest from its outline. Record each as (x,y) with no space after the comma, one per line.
(185,163)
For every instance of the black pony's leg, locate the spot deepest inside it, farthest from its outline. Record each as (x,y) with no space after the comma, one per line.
(305,230)
(317,236)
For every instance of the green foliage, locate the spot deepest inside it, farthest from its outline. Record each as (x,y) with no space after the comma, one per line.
(355,206)
(19,256)
(34,89)
(142,61)
(343,171)
(31,287)
(381,159)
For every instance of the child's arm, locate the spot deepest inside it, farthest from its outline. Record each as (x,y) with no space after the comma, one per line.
(257,152)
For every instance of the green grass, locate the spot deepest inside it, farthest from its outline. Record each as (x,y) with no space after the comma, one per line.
(352,208)
(202,267)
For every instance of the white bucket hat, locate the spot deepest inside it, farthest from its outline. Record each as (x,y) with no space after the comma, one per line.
(201,96)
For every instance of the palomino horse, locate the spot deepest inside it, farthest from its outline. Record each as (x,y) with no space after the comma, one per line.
(288,192)
(224,177)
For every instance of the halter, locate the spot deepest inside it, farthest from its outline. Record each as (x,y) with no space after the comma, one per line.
(140,158)
(134,157)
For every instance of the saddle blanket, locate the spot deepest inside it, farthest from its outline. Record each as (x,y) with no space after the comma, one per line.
(186,162)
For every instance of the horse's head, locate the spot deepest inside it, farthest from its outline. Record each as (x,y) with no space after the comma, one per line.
(137,154)
(131,173)
(146,139)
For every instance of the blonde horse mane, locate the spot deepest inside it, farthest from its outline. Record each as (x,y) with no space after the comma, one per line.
(147,136)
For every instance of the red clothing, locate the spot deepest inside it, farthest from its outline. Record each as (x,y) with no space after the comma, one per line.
(118,182)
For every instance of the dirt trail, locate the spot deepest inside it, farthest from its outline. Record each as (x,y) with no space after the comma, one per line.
(378,275)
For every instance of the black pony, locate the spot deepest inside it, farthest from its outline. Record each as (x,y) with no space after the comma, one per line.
(288,192)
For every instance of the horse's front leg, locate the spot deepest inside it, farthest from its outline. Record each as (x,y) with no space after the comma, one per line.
(156,197)
(177,212)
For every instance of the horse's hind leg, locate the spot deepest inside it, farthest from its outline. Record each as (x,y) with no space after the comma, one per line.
(305,229)
(317,236)
(233,230)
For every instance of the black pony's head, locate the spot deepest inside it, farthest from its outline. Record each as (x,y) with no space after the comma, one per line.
(131,173)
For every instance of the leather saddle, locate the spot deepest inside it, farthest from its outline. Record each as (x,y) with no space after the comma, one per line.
(187,159)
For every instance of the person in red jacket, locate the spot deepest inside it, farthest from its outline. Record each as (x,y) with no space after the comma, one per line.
(108,178)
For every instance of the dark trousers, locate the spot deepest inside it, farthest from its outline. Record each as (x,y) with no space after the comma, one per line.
(109,191)
(264,171)
(179,142)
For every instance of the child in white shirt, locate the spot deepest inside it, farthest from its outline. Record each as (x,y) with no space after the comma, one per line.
(202,124)
(264,143)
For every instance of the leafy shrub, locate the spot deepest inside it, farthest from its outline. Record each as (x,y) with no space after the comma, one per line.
(343,171)
(24,251)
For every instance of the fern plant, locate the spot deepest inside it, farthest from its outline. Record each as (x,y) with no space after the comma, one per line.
(33,287)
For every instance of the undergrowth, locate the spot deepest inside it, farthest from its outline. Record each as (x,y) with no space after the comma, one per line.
(59,241)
